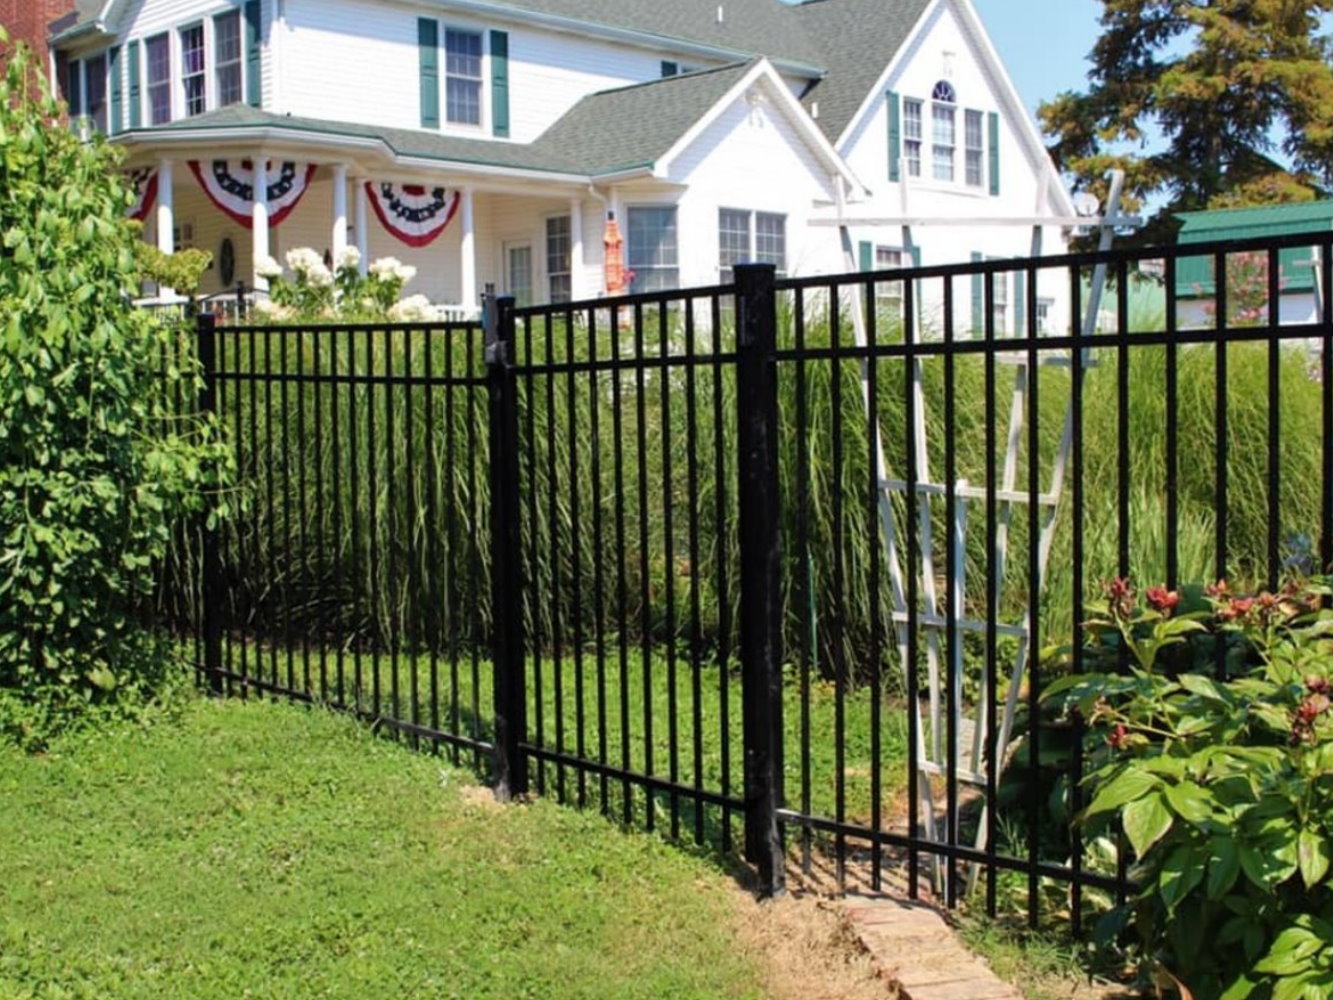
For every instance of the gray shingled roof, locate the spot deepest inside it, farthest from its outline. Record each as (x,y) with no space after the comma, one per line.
(757,27)
(855,40)
(605,132)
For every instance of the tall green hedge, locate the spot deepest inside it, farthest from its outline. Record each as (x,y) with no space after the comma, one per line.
(94,469)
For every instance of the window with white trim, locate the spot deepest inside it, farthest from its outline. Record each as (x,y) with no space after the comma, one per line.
(760,237)
(889,294)
(912,136)
(652,250)
(944,128)
(229,55)
(462,76)
(1000,301)
(194,76)
(559,258)
(1045,307)
(94,92)
(157,51)
(974,148)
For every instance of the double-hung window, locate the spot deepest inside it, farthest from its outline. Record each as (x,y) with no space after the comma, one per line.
(559,258)
(158,53)
(652,248)
(760,237)
(228,57)
(95,92)
(462,76)
(889,294)
(912,136)
(943,116)
(194,77)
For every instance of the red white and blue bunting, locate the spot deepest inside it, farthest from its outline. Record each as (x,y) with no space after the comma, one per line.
(230,185)
(413,213)
(144,184)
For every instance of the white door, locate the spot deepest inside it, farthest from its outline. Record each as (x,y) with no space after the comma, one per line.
(518,273)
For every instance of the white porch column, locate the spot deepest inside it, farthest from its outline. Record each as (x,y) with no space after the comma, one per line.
(166,215)
(259,218)
(576,248)
(468,254)
(339,212)
(362,227)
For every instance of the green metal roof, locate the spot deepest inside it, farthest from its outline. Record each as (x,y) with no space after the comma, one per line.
(604,133)
(1194,275)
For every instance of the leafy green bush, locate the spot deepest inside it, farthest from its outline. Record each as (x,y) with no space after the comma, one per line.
(1222,780)
(95,469)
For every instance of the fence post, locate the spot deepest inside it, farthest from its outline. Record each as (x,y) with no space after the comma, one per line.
(211,569)
(760,554)
(507,642)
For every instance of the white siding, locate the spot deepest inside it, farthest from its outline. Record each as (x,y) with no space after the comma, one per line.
(358,60)
(752,158)
(866,151)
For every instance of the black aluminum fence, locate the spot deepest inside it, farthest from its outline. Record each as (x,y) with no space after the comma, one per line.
(781,565)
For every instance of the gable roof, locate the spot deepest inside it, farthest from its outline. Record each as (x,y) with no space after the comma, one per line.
(856,40)
(605,133)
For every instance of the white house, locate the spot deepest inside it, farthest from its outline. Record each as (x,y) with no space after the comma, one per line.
(489,142)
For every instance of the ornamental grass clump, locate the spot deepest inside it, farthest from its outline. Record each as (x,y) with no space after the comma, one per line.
(97,470)
(1211,737)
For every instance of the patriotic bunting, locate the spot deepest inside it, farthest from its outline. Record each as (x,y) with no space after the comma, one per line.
(413,213)
(144,183)
(231,187)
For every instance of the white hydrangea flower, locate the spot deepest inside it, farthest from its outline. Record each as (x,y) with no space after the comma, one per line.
(303,260)
(320,276)
(267,267)
(349,257)
(385,267)
(413,309)
(270,309)
(405,273)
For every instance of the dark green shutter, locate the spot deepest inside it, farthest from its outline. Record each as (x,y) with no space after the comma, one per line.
(74,88)
(136,106)
(669,68)
(993,123)
(428,41)
(916,256)
(978,296)
(895,135)
(1021,302)
(117,93)
(500,83)
(254,67)
(866,254)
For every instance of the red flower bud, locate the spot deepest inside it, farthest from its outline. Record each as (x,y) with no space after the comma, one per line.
(1161,599)
(1316,684)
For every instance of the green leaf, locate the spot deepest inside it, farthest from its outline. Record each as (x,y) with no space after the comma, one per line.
(1129,785)
(1223,869)
(1313,856)
(1180,875)
(1190,801)
(1147,820)
(1291,952)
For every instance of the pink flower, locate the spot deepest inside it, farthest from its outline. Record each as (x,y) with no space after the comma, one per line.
(1161,599)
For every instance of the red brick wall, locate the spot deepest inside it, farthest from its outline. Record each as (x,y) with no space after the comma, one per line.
(30,20)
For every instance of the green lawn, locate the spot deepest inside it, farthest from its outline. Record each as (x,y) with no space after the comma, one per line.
(267,850)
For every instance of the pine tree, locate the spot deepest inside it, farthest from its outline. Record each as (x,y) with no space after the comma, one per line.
(1226,83)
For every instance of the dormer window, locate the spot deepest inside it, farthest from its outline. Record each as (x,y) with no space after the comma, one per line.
(944,132)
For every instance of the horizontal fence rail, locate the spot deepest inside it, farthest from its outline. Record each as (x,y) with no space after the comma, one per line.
(779,566)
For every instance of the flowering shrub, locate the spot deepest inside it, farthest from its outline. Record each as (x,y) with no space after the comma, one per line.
(1246,287)
(314,291)
(1223,785)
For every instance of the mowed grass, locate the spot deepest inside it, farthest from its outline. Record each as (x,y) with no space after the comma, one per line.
(676,720)
(269,850)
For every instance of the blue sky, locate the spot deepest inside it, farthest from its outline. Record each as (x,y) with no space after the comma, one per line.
(1044,43)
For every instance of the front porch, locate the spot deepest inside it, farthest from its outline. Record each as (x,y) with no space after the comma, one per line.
(537,242)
